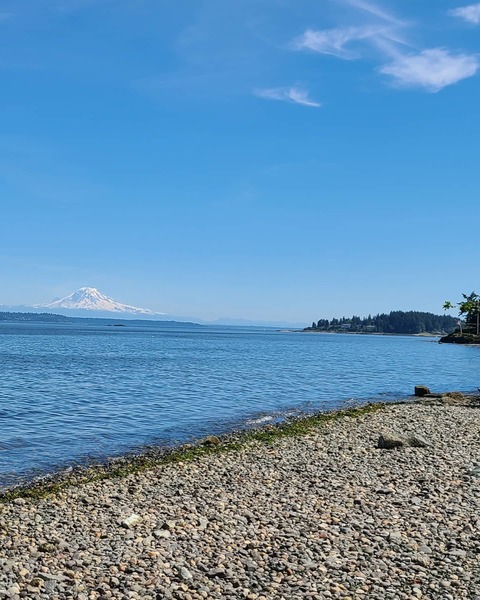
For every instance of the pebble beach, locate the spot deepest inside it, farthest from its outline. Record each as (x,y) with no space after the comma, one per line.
(327,514)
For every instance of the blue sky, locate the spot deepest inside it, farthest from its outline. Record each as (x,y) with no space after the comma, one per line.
(267,159)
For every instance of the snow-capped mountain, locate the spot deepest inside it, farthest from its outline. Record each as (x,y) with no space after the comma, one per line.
(88,298)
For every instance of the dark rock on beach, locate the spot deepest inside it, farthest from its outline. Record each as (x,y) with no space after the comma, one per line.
(211,440)
(421,390)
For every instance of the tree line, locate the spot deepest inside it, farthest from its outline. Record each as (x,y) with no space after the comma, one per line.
(396,321)
(35,317)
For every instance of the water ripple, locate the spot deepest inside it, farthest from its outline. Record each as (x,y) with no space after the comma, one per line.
(70,393)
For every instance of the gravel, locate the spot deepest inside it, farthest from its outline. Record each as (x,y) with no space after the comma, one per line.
(325,515)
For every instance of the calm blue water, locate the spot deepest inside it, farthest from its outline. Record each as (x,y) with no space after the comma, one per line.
(72,393)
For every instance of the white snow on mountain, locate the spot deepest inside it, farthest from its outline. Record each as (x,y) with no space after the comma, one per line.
(88,298)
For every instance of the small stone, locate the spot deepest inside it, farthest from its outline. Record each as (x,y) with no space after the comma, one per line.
(50,577)
(131,521)
(384,490)
(458,553)
(422,560)
(50,586)
(14,590)
(162,533)
(475,472)
(185,574)
(46,547)
(395,537)
(217,572)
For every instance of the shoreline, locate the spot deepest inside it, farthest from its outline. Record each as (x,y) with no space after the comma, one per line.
(316,511)
(96,468)
(377,333)
(153,456)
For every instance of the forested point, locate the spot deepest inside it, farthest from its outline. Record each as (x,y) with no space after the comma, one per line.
(397,321)
(36,317)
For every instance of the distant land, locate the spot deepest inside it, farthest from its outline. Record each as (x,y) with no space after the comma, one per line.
(411,322)
(89,302)
(93,319)
(43,317)
(17,317)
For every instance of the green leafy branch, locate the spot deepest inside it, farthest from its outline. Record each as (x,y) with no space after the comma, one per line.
(469,307)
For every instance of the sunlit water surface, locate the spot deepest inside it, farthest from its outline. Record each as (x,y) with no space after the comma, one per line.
(73,393)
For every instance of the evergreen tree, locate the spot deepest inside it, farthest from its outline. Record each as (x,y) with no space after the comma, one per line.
(409,322)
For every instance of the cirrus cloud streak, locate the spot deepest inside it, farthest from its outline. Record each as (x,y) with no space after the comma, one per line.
(334,41)
(294,94)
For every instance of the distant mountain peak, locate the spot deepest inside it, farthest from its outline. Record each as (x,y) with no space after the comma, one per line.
(89,298)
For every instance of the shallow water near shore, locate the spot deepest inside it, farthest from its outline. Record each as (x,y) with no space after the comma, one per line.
(70,394)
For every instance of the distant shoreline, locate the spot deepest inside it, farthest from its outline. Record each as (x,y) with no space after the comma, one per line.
(377,333)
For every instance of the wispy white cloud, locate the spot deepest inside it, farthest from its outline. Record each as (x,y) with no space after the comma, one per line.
(293,94)
(470,13)
(376,11)
(378,28)
(382,35)
(432,69)
(335,41)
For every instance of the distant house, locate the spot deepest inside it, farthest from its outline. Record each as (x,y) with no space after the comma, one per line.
(370,328)
(345,326)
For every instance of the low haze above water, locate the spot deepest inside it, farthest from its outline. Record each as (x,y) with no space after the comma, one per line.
(73,393)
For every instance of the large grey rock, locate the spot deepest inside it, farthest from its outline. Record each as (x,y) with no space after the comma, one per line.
(388,440)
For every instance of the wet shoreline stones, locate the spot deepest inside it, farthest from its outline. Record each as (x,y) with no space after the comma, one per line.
(324,515)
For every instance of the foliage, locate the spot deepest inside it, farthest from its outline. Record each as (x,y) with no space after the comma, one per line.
(410,322)
(469,308)
(33,317)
